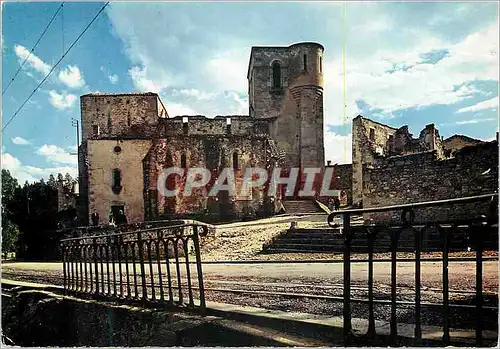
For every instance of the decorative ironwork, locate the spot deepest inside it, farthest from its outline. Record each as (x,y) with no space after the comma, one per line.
(137,265)
(446,229)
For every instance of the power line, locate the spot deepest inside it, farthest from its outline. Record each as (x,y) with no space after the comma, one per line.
(344,105)
(55,65)
(33,49)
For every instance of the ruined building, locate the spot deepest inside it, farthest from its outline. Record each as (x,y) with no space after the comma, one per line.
(390,167)
(128,139)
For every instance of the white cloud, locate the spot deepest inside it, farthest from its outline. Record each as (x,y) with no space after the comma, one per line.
(338,148)
(57,155)
(20,141)
(192,92)
(33,61)
(62,101)
(227,70)
(371,80)
(176,109)
(31,174)
(474,121)
(113,78)
(143,83)
(72,77)
(488,104)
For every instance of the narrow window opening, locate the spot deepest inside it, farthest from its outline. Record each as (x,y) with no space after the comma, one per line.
(235,161)
(372,134)
(117,181)
(128,119)
(185,125)
(109,120)
(305,62)
(228,125)
(276,75)
(390,142)
(95,130)
(320,64)
(183,161)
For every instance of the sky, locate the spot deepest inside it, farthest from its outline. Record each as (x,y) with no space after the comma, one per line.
(406,64)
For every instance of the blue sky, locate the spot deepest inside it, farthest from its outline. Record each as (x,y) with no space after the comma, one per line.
(406,63)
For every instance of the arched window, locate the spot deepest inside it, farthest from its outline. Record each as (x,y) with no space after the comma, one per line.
(235,161)
(183,161)
(276,75)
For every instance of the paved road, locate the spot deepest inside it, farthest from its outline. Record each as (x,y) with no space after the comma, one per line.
(461,274)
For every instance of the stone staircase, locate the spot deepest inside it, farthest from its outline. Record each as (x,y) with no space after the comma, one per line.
(301,207)
(324,240)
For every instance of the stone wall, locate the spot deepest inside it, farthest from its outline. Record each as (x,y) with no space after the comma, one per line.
(213,153)
(372,141)
(368,138)
(342,180)
(103,159)
(424,177)
(457,142)
(219,126)
(295,107)
(120,115)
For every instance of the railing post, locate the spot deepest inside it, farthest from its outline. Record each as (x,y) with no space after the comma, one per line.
(151,272)
(64,259)
(479,288)
(346,232)
(446,304)
(141,261)
(199,270)
(394,248)
(418,247)
(371,313)
(96,265)
(158,263)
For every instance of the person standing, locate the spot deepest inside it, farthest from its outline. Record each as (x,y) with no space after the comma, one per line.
(111,218)
(336,202)
(95,218)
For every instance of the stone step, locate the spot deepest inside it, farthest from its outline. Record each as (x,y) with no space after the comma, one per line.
(301,206)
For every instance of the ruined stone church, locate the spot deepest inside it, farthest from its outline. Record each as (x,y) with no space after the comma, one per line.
(128,139)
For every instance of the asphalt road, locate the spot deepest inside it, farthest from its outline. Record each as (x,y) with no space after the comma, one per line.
(462,275)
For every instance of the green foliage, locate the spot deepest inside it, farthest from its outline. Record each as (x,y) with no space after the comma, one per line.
(10,234)
(10,231)
(30,216)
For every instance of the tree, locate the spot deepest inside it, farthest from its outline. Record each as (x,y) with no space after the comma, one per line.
(69,183)
(52,182)
(10,231)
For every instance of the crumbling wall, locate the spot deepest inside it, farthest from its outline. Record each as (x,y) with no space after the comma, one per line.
(457,142)
(370,139)
(424,177)
(215,154)
(219,126)
(343,180)
(120,115)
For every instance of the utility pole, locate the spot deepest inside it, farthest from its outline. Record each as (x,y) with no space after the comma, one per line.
(74,123)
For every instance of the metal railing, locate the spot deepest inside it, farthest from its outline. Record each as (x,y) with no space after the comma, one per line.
(147,265)
(445,229)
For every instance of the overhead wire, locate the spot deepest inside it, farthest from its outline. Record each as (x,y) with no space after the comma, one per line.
(344,104)
(55,65)
(33,48)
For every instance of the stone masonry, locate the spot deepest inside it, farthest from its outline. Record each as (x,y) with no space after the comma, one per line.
(372,141)
(422,177)
(128,139)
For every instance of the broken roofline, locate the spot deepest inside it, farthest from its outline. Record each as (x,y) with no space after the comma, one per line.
(254,177)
